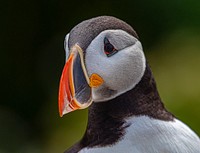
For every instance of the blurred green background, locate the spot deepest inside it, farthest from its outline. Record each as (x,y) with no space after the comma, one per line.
(32,58)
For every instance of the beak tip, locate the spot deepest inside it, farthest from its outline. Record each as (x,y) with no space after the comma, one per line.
(60,105)
(61,115)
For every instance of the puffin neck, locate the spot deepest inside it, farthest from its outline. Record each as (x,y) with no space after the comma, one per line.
(106,119)
(143,99)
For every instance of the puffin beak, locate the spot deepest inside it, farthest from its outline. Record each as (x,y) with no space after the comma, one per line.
(75,85)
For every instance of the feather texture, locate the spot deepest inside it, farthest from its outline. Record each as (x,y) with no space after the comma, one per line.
(148,135)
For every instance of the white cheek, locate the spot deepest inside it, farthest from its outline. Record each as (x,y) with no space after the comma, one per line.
(95,57)
(120,72)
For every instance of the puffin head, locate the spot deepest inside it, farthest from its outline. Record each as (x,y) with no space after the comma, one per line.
(104,59)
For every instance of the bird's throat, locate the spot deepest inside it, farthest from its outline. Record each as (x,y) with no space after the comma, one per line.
(106,122)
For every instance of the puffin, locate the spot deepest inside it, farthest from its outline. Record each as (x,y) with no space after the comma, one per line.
(106,71)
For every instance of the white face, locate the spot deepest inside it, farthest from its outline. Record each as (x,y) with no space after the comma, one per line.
(120,71)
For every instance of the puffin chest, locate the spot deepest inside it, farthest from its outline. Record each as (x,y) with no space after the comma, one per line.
(147,135)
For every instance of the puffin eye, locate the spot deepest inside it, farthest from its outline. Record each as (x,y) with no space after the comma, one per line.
(109,49)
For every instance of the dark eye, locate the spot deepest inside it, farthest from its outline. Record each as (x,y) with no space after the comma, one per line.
(109,49)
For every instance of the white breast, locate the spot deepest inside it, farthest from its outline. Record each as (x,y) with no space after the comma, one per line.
(147,135)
